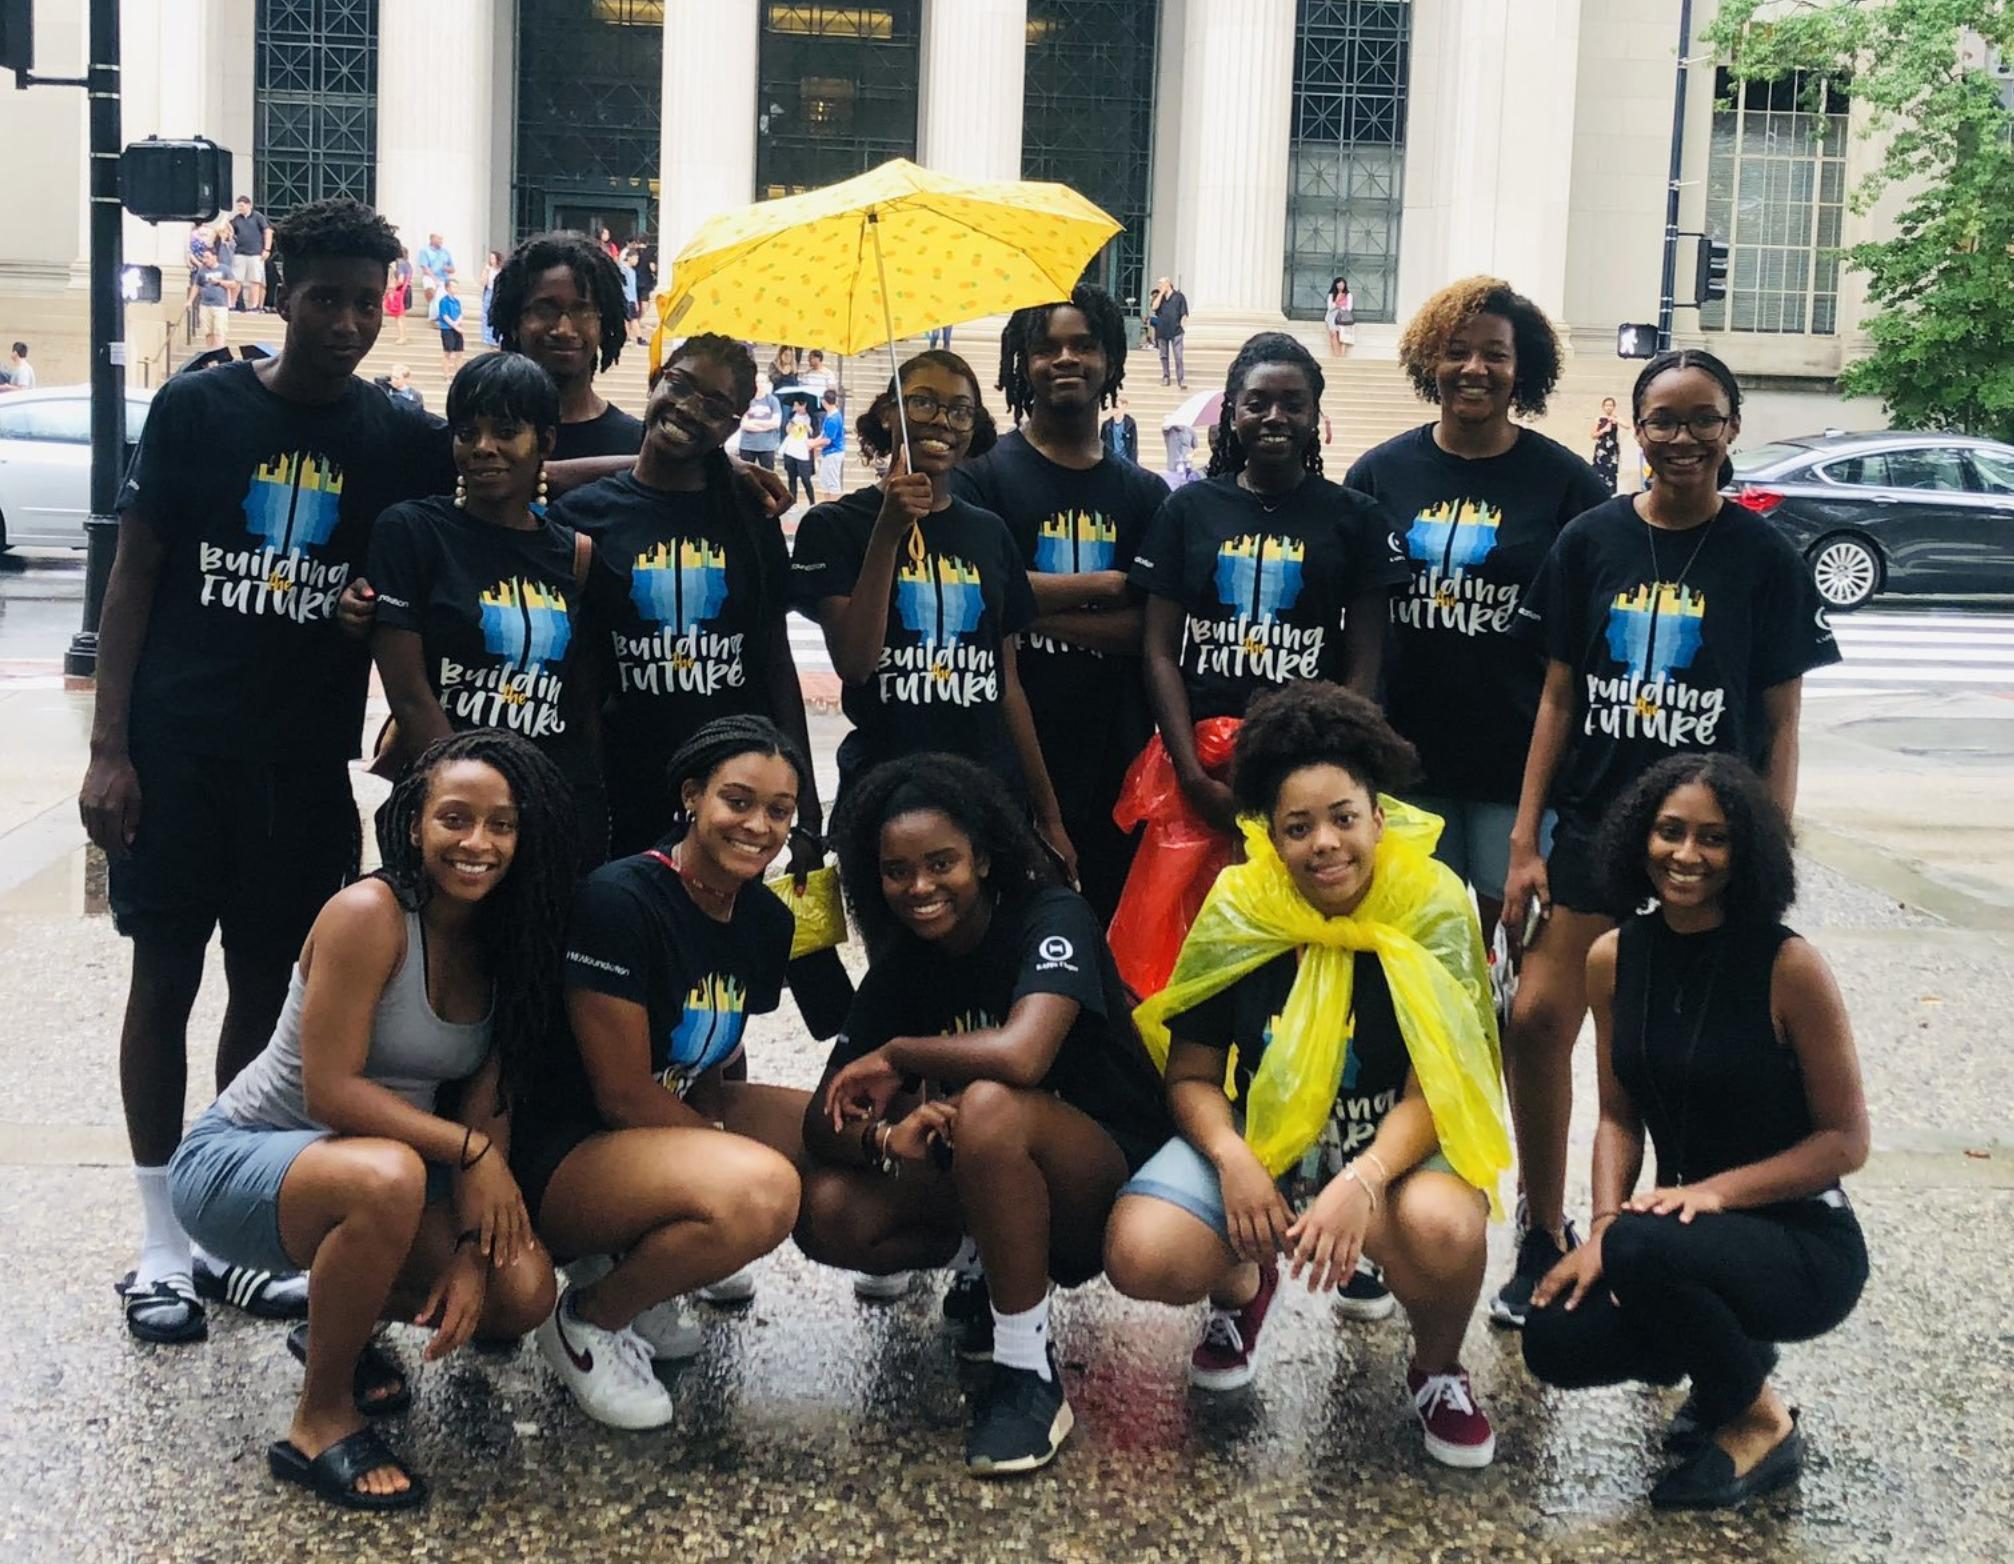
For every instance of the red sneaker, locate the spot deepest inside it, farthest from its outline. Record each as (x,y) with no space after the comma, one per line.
(1223,1358)
(1458,1433)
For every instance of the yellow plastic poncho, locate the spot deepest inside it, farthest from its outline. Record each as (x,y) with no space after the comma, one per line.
(1420,921)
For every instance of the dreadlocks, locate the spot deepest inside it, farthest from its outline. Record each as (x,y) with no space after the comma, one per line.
(715,743)
(597,277)
(1268,347)
(1025,328)
(521,925)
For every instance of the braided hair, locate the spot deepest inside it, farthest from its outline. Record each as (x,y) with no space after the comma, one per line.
(971,797)
(597,277)
(520,927)
(875,438)
(1674,359)
(713,744)
(1025,327)
(1227,456)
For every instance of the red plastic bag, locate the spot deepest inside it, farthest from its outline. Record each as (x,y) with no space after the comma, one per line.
(1177,860)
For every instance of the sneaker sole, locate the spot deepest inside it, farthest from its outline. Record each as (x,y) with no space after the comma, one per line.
(1502,1314)
(679,1351)
(1059,1430)
(633,1422)
(1222,1379)
(1367,1310)
(881,1289)
(1466,1457)
(726,1298)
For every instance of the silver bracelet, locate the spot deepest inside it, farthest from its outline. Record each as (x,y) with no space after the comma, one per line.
(1370,1194)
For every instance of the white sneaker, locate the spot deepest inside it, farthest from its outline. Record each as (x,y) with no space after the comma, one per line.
(882,1289)
(738,1288)
(669,1332)
(608,1371)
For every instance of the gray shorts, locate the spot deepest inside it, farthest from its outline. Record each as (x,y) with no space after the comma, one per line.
(1181,1175)
(1475,839)
(249,268)
(830,469)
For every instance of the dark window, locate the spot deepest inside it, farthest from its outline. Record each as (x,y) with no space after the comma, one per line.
(66,420)
(315,125)
(1088,117)
(1929,467)
(1346,161)
(1992,472)
(590,88)
(838,91)
(1870,472)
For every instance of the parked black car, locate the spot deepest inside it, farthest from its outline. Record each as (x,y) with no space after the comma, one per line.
(1888,512)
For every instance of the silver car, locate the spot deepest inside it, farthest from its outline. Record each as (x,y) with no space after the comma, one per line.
(45,463)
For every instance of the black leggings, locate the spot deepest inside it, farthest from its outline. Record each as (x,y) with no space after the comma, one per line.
(796,470)
(1703,1300)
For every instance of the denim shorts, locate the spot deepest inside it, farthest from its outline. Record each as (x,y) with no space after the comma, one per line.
(1181,1175)
(1475,839)
(224,1180)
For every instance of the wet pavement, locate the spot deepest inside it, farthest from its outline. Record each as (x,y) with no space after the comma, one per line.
(817,1427)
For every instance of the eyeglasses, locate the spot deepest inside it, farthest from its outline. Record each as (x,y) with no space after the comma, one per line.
(924,407)
(1660,427)
(714,408)
(549,312)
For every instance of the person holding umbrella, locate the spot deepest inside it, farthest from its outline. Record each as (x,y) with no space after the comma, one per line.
(923,597)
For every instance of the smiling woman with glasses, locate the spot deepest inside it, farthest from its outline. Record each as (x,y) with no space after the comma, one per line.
(923,597)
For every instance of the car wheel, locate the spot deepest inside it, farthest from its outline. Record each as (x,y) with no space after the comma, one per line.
(1847,570)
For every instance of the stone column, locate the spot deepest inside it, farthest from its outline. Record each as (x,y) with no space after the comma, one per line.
(435,133)
(1489,146)
(707,140)
(1230,184)
(969,116)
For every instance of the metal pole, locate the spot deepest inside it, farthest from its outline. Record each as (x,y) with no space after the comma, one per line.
(1667,300)
(108,333)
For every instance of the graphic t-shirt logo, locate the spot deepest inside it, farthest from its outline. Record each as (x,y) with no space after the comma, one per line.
(1074,541)
(1446,543)
(708,1030)
(1655,630)
(1258,578)
(526,628)
(678,587)
(525,624)
(941,600)
(292,507)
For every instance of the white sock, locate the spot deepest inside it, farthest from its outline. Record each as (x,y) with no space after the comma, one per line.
(164,1247)
(965,1263)
(1022,1340)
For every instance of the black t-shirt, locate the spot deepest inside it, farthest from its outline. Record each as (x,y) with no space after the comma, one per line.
(497,614)
(1265,582)
(960,590)
(248,233)
(1375,1062)
(682,601)
(611,433)
(1047,943)
(266,508)
(1460,684)
(636,934)
(1090,708)
(1168,317)
(1671,657)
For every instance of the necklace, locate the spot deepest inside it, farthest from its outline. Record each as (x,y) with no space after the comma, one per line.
(1646,701)
(1691,1048)
(1266,504)
(696,887)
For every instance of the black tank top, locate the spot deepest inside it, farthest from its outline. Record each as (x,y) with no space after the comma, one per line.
(1695,1046)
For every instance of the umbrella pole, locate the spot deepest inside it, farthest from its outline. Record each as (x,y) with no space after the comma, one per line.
(888,320)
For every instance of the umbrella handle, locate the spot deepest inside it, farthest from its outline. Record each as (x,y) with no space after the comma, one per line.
(888,320)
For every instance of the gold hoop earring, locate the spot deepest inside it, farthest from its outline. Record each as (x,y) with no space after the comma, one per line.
(461,491)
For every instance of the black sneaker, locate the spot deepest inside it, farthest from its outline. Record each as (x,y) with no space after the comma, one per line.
(1019,1421)
(968,1310)
(1364,1296)
(1536,1254)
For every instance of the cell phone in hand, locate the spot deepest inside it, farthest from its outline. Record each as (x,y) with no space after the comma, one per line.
(1534,920)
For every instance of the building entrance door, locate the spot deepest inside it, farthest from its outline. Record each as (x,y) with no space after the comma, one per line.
(624,217)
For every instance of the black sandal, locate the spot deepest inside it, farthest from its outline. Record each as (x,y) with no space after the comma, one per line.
(377,1373)
(333,1474)
(166,1314)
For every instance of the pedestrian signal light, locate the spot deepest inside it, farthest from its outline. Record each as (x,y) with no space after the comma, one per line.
(175,181)
(1711,282)
(1636,341)
(140,284)
(17,35)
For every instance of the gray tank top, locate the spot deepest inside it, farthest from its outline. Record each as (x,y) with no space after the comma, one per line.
(412,1050)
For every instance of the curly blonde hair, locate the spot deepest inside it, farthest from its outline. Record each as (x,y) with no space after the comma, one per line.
(1536,343)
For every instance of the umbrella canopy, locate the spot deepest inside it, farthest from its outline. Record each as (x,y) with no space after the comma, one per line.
(887,254)
(1202,408)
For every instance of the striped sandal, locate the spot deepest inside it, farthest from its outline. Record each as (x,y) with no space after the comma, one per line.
(167,1313)
(266,1295)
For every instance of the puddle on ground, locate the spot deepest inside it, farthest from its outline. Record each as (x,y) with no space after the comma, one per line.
(1987,740)
(74,885)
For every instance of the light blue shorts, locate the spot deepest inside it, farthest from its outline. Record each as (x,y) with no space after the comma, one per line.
(224,1180)
(1475,839)
(1181,1175)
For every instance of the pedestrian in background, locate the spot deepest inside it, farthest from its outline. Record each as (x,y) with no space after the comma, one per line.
(436,263)
(796,448)
(492,265)
(1120,434)
(448,317)
(399,294)
(831,448)
(20,373)
(762,427)
(252,235)
(560,302)
(1721,1033)
(1171,316)
(1607,436)
(1341,318)
(213,299)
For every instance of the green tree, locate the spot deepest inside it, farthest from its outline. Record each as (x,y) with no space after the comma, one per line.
(1942,289)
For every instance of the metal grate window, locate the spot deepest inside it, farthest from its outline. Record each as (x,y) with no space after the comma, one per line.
(1088,117)
(838,91)
(1776,192)
(1346,162)
(589,104)
(315,127)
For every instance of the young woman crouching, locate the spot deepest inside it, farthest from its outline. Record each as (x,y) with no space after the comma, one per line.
(1346,969)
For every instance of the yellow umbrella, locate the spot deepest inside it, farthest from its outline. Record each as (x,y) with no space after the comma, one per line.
(886,254)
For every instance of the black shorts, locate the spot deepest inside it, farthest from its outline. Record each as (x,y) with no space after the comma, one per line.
(253,848)
(1573,869)
(451,340)
(540,1140)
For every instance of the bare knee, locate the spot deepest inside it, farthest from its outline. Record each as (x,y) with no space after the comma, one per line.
(830,1228)
(992,1122)
(387,1180)
(1442,1222)
(520,1297)
(1147,1257)
(767,1198)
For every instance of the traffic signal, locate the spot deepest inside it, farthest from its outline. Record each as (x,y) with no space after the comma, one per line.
(17,35)
(140,284)
(175,181)
(1711,283)
(1637,340)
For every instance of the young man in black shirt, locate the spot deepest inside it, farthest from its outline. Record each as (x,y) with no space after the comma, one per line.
(559,301)
(230,703)
(1076,511)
